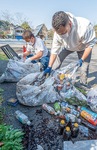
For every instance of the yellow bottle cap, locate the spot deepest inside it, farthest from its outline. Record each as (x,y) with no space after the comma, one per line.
(67,128)
(62,122)
(76,125)
(62,76)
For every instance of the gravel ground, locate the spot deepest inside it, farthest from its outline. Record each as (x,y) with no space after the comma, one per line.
(31,112)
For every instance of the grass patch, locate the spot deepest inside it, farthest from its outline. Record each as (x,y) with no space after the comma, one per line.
(11,139)
(1,108)
(1,98)
(3,56)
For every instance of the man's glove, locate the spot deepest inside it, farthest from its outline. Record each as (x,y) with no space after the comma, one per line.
(28,60)
(47,71)
(80,62)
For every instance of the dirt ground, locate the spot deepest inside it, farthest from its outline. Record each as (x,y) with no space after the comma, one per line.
(34,113)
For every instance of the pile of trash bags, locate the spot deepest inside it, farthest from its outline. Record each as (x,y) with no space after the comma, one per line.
(35,89)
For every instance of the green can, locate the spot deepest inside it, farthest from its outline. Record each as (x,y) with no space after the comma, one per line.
(57,106)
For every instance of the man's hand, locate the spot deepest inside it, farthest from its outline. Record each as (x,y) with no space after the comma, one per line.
(47,71)
(28,60)
(80,62)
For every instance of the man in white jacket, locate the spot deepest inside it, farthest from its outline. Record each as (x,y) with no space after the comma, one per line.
(71,34)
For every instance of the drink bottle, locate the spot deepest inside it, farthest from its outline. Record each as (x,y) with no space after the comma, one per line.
(22,117)
(66,133)
(84,130)
(88,117)
(57,106)
(74,112)
(49,109)
(75,130)
(89,125)
(89,112)
(62,126)
(71,117)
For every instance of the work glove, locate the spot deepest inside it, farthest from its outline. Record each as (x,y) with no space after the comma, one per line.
(47,71)
(20,55)
(80,62)
(28,60)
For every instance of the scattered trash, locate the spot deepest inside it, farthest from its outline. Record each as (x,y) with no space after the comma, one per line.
(12,101)
(39,147)
(88,117)
(22,117)
(57,106)
(93,114)
(84,130)
(49,109)
(62,126)
(75,130)
(66,134)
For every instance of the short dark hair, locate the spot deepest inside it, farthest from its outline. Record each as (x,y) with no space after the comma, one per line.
(27,34)
(58,19)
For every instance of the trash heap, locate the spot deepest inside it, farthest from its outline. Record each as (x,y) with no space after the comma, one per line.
(56,123)
(69,107)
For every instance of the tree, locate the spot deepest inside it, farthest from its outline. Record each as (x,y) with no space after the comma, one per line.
(7,16)
(95,28)
(17,18)
(25,25)
(50,34)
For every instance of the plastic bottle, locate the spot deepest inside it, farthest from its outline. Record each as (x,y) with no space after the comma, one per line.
(66,133)
(49,109)
(88,117)
(57,106)
(75,130)
(69,124)
(22,117)
(62,126)
(61,76)
(84,130)
(65,107)
(90,112)
(71,117)
(90,126)
(74,112)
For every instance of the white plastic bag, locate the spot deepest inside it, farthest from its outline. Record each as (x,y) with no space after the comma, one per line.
(16,70)
(92,99)
(33,95)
